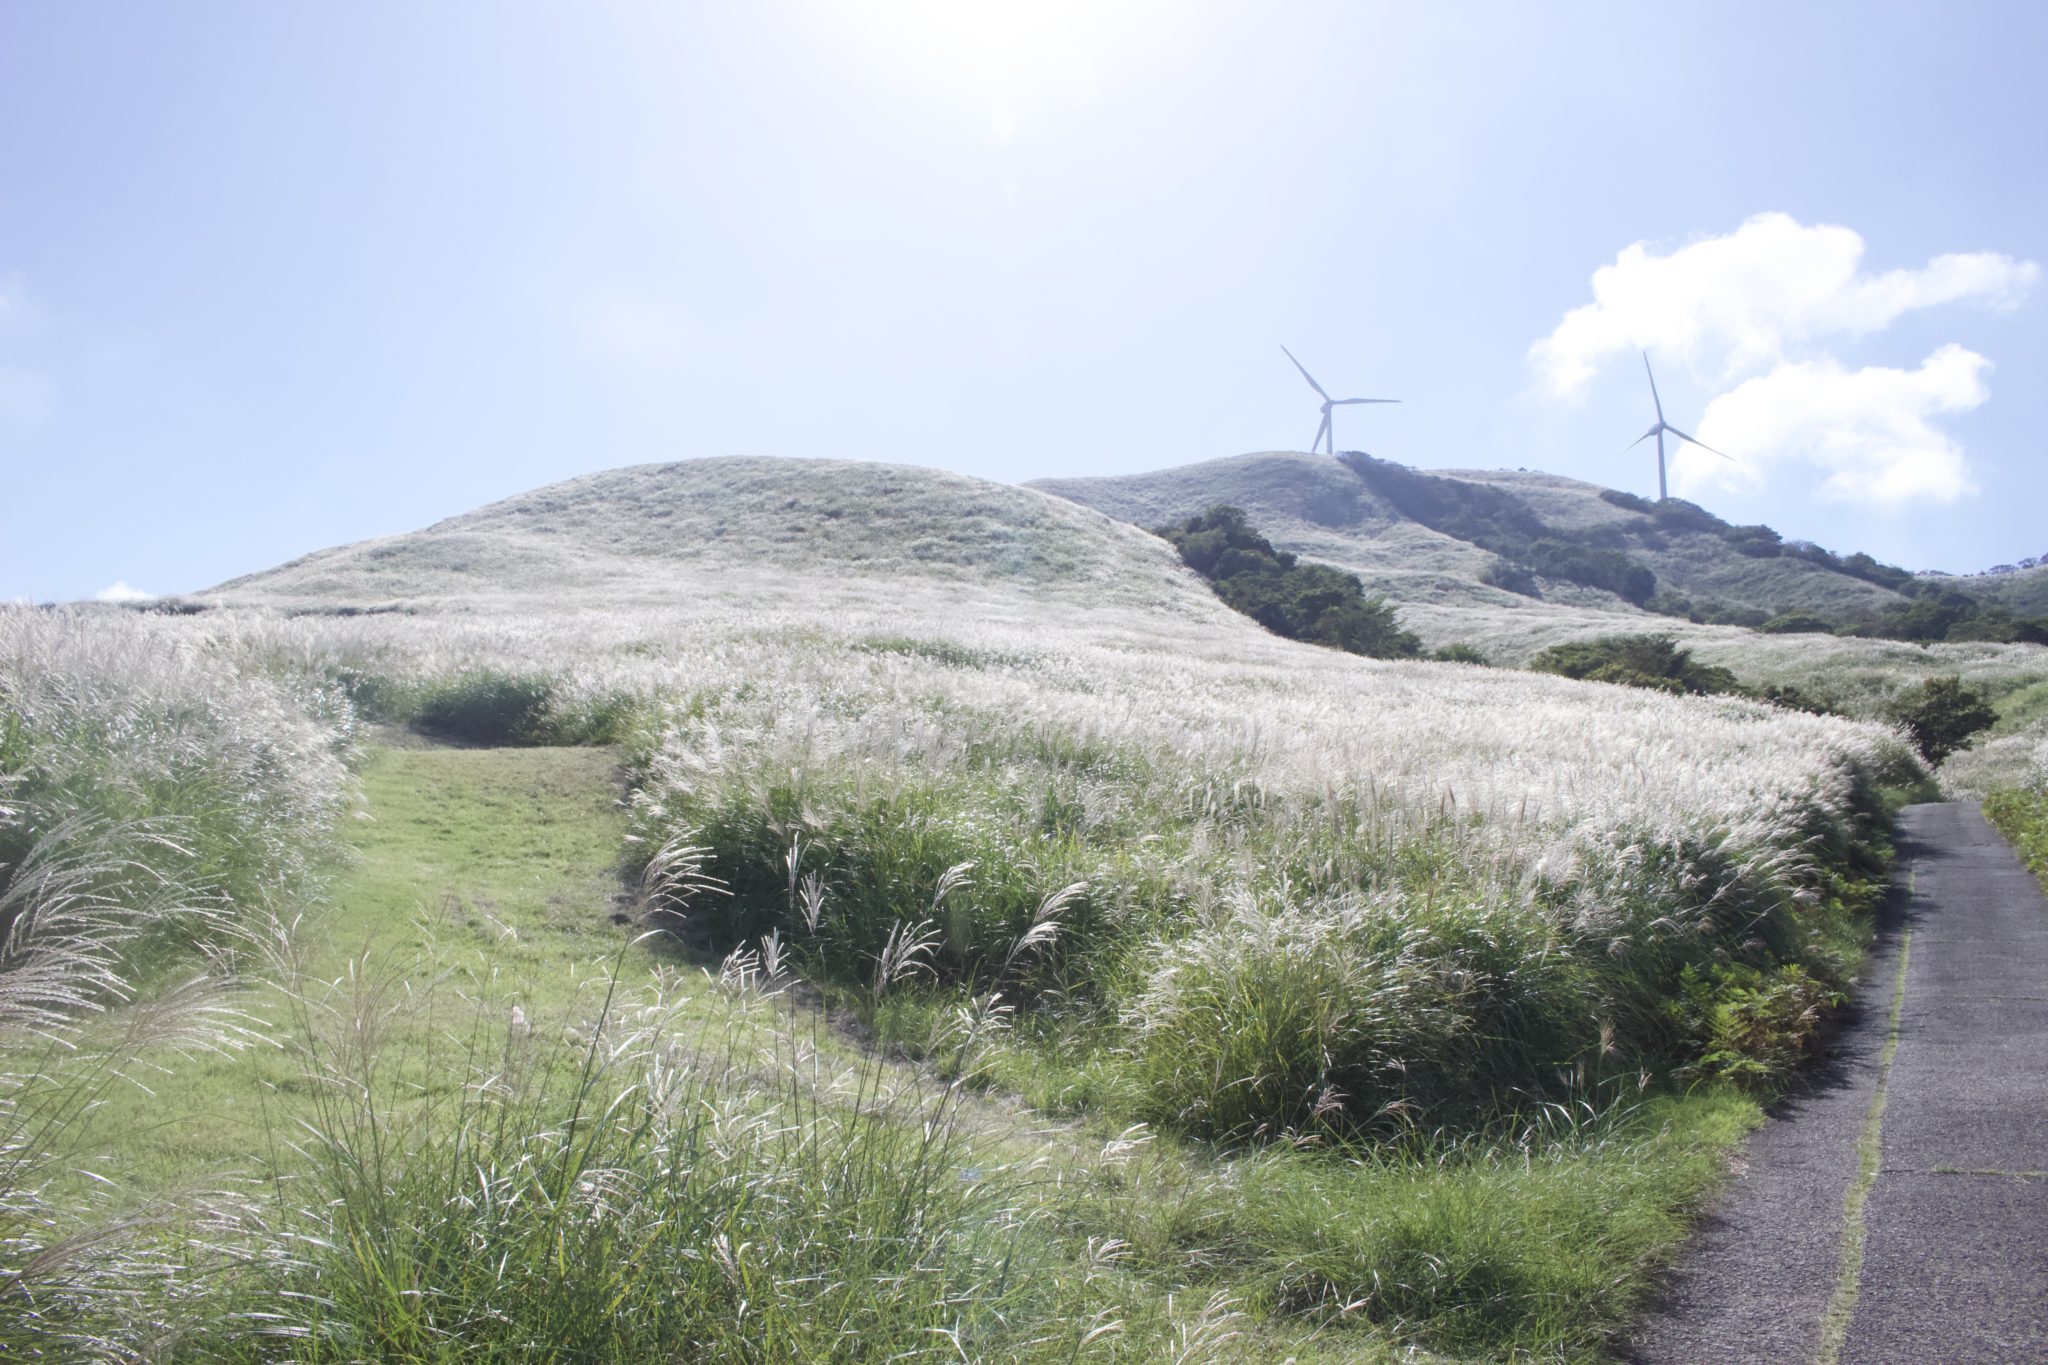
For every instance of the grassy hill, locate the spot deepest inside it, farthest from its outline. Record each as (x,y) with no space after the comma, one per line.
(738,530)
(1323,508)
(2024,590)
(1417,539)
(1060,967)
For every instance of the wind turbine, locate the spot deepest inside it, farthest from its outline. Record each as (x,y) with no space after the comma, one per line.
(1658,432)
(1328,402)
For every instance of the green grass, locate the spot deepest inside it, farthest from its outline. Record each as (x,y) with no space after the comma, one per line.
(871,1209)
(2023,708)
(2021,815)
(469,875)
(1532,1246)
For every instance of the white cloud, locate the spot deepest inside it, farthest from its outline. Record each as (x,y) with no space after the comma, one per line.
(1747,301)
(1868,431)
(118,591)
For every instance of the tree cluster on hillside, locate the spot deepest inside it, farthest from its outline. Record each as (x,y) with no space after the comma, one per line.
(1942,716)
(1658,663)
(1932,610)
(1311,602)
(1655,662)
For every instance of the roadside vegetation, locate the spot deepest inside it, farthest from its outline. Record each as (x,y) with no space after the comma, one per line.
(922,971)
(2021,815)
(1524,544)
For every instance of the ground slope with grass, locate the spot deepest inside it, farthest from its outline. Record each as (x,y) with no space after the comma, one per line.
(1438,582)
(1317,506)
(474,923)
(1259,929)
(652,534)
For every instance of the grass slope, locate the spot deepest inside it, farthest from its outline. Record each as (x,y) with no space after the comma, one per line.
(2024,591)
(1315,507)
(497,865)
(480,880)
(1318,508)
(1411,969)
(736,528)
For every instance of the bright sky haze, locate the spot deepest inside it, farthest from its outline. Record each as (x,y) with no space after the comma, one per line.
(279,277)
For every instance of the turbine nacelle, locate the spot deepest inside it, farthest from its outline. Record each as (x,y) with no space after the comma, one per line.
(1327,433)
(1663,426)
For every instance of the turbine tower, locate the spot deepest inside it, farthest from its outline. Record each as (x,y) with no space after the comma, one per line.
(1326,430)
(1658,432)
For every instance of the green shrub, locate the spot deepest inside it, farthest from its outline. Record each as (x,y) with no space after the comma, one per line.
(1312,602)
(990,881)
(1652,661)
(489,706)
(1798,622)
(1509,576)
(1357,1016)
(2021,815)
(1750,1026)
(1942,716)
(485,706)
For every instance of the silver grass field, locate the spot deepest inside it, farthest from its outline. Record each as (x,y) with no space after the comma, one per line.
(1028,959)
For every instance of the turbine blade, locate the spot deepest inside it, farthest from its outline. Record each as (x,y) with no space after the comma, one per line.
(1653,386)
(1704,446)
(1306,375)
(1364,400)
(1644,437)
(1322,431)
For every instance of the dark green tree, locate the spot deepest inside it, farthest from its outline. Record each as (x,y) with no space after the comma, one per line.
(1942,716)
(1652,661)
(1312,602)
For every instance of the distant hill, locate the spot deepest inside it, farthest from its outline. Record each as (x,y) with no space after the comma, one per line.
(742,528)
(2022,591)
(1424,538)
(820,546)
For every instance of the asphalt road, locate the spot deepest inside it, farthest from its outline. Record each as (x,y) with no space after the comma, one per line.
(1895,1210)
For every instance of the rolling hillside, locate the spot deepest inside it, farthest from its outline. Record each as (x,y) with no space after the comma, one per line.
(628,561)
(1409,536)
(2024,591)
(1324,509)
(742,531)
(1008,784)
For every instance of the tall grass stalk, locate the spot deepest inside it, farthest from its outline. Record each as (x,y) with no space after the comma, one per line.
(623,1195)
(156,805)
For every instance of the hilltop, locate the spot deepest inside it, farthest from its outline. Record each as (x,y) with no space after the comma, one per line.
(852,552)
(1425,537)
(747,530)
(1452,551)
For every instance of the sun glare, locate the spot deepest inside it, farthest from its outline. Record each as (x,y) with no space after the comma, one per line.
(1052,51)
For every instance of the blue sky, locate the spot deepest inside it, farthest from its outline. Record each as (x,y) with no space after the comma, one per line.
(278,277)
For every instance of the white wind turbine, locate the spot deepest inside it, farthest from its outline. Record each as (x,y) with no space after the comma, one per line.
(1659,430)
(1326,430)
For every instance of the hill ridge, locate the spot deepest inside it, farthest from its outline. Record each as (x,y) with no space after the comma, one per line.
(1471,538)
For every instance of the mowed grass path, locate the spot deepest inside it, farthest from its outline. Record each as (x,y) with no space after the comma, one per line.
(512,849)
(470,875)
